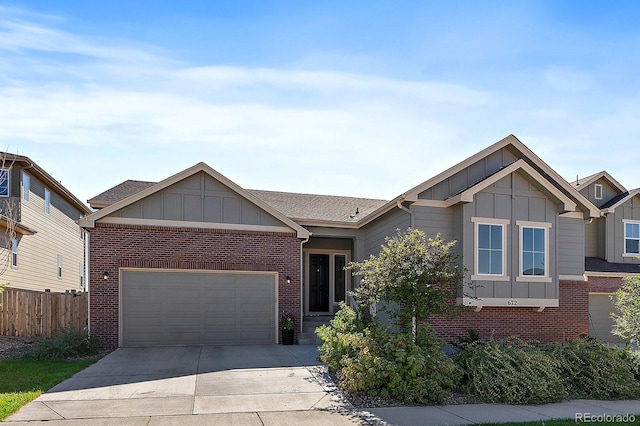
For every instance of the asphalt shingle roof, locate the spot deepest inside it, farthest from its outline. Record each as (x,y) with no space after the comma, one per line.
(119,192)
(295,206)
(319,207)
(595,264)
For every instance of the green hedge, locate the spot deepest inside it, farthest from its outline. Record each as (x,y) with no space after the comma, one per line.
(514,372)
(367,357)
(374,360)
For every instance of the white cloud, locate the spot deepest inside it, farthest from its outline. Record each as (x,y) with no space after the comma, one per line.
(95,112)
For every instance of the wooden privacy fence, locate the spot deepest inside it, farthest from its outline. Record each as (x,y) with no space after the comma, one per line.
(29,313)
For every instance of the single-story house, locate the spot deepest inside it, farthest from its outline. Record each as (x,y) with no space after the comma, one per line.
(197,259)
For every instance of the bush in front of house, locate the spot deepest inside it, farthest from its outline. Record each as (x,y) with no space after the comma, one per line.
(371,359)
(511,371)
(68,343)
(592,370)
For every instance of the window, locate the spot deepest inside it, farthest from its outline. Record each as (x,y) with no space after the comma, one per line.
(14,252)
(534,251)
(631,238)
(47,201)
(4,182)
(81,268)
(490,249)
(26,186)
(59,266)
(597,189)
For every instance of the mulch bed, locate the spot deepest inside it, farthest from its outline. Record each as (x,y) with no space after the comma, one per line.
(12,347)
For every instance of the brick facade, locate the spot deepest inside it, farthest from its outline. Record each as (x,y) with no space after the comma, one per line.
(116,246)
(604,284)
(568,321)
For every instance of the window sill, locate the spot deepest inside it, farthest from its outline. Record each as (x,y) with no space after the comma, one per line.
(630,254)
(490,278)
(533,279)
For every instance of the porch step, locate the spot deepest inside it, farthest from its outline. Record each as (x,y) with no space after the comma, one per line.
(309,325)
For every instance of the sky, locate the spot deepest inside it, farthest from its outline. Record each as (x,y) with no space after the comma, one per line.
(354,98)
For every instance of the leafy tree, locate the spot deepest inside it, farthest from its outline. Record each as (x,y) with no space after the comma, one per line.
(417,275)
(627,302)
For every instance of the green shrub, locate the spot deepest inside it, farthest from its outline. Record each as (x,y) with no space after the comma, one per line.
(590,369)
(373,360)
(632,357)
(510,371)
(68,343)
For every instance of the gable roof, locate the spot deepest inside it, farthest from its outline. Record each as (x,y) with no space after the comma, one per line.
(551,175)
(611,205)
(40,173)
(118,192)
(89,221)
(588,180)
(519,165)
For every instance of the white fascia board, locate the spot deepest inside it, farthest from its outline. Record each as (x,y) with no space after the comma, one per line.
(520,165)
(412,194)
(605,175)
(632,194)
(90,220)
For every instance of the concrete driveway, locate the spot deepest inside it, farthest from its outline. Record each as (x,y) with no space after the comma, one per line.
(244,385)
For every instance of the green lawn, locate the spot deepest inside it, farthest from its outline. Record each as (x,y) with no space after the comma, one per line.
(23,380)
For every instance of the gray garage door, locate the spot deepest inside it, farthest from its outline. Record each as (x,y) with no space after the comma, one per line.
(168,308)
(600,322)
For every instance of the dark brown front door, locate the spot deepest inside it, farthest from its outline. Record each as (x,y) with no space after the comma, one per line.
(319,283)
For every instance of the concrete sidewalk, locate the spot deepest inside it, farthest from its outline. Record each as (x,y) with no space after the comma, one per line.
(271,384)
(498,413)
(250,385)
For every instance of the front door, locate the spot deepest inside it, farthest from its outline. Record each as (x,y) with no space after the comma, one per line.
(318,282)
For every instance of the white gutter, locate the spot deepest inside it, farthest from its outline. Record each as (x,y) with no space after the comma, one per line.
(401,207)
(302,243)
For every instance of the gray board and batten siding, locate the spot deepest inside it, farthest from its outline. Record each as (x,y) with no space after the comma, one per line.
(615,237)
(199,198)
(608,192)
(512,198)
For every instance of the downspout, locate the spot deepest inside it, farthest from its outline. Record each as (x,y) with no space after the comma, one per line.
(86,278)
(302,243)
(411,224)
(401,207)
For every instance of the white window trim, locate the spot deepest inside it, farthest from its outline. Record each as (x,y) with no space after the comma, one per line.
(597,191)
(8,172)
(521,224)
(489,277)
(624,239)
(47,201)
(26,186)
(14,253)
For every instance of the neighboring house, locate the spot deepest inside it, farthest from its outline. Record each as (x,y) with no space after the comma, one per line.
(196,259)
(612,246)
(42,246)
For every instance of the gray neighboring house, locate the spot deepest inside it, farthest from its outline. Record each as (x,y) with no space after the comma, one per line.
(198,238)
(612,246)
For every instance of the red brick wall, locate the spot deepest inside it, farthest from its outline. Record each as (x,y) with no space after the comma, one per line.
(115,246)
(604,284)
(568,321)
